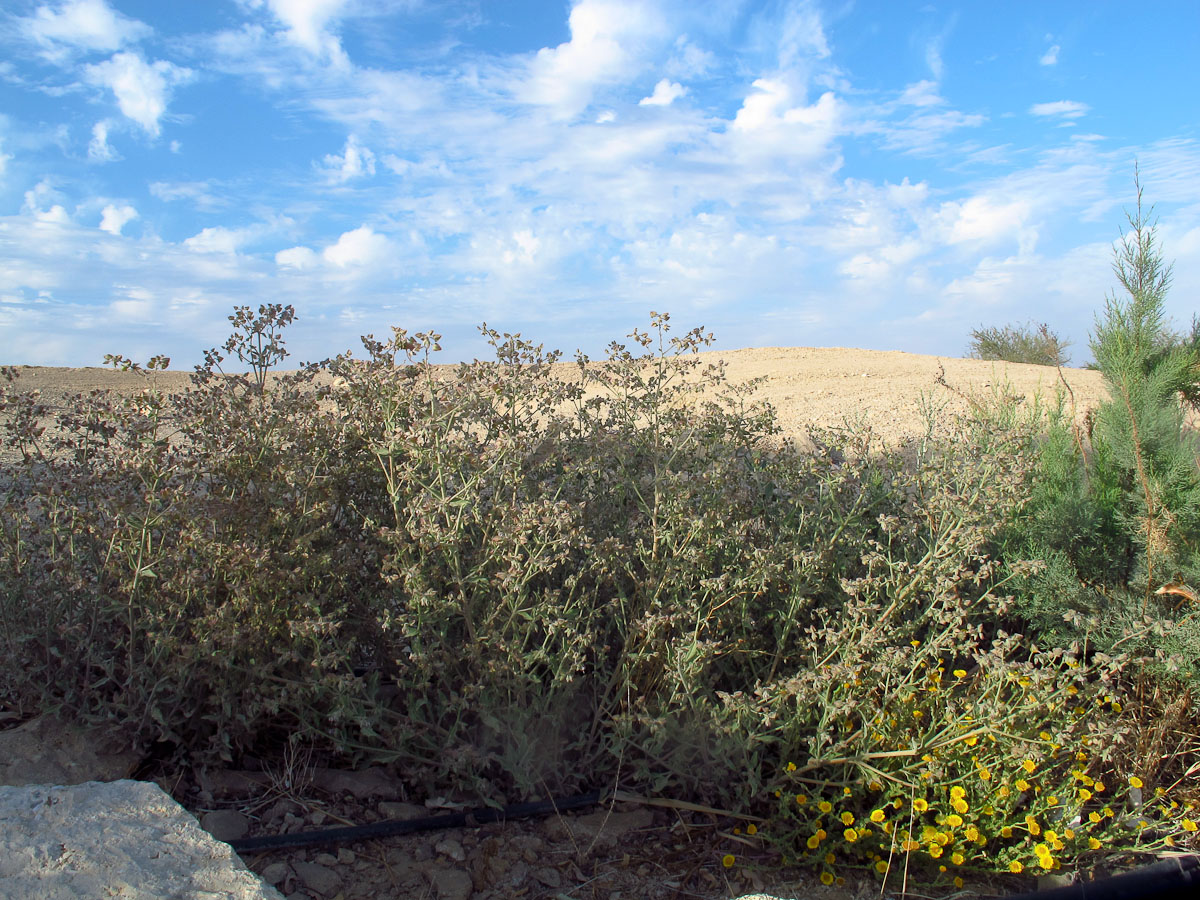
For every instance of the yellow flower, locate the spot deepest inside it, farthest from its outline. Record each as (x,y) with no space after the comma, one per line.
(1029,765)
(825,806)
(751,828)
(1044,735)
(958,882)
(960,673)
(1094,816)
(801,799)
(1093,844)
(826,878)
(830,859)
(971,741)
(1188,825)
(920,804)
(881,867)
(813,842)
(972,833)
(875,786)
(985,774)
(917,714)
(957,792)
(1085,794)
(957,858)
(1006,831)
(1015,867)
(1032,824)
(1098,787)
(847,818)
(954,820)
(1134,781)
(727,860)
(935,850)
(877,815)
(910,844)
(1108,812)
(960,806)
(1004,790)
(1052,800)
(897,803)
(791,767)
(850,835)
(1022,785)
(822,834)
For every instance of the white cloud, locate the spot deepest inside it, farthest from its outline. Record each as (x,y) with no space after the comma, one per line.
(142,89)
(359,247)
(933,58)
(4,158)
(297,258)
(114,218)
(55,215)
(198,192)
(354,162)
(801,36)
(665,93)
(605,39)
(769,108)
(307,23)
(689,61)
(84,24)
(983,220)
(922,93)
(1050,57)
(218,239)
(1067,109)
(99,149)
(525,249)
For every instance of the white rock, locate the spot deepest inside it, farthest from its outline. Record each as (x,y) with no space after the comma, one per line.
(124,838)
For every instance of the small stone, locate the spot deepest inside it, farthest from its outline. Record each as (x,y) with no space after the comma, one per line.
(517,873)
(325,859)
(317,817)
(345,857)
(275,873)
(225,824)
(549,877)
(319,878)
(452,884)
(392,809)
(372,782)
(452,849)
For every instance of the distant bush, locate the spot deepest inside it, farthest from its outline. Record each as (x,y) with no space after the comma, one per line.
(1029,343)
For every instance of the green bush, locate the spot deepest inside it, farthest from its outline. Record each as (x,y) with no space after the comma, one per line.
(523,575)
(1029,343)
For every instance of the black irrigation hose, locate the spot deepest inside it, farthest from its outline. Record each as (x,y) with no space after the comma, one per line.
(1172,879)
(392,827)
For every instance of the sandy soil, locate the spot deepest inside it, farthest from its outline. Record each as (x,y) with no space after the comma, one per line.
(826,387)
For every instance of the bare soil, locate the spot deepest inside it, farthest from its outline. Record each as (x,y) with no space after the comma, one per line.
(827,387)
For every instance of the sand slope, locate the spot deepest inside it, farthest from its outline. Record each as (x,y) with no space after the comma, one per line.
(807,386)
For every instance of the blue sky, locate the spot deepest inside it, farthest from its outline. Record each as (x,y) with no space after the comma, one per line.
(886,175)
